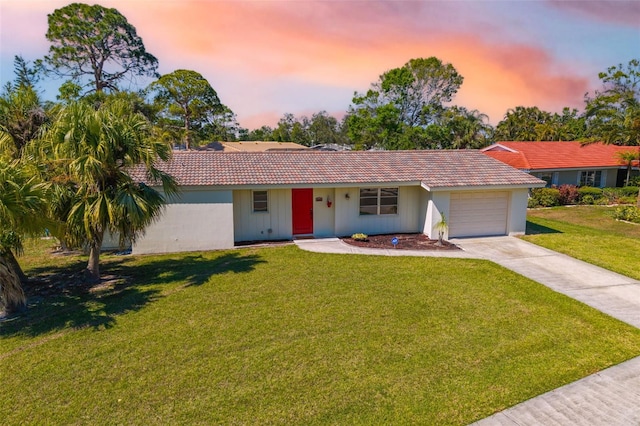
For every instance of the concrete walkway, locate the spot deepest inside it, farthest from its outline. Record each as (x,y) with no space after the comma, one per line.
(610,397)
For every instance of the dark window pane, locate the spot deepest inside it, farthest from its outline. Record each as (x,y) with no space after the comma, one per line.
(368,192)
(388,209)
(368,210)
(260,201)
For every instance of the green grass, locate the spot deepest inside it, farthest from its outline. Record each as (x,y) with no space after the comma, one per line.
(282,336)
(588,233)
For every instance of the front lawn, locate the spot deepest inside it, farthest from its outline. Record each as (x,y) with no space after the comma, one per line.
(282,336)
(588,233)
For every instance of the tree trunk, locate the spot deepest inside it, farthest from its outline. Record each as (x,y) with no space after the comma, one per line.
(93,266)
(12,297)
(187,127)
(11,259)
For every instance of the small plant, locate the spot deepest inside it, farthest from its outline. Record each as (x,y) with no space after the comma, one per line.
(442,227)
(628,213)
(360,237)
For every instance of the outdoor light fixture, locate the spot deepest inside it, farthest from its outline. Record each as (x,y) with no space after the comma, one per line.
(329,201)
(347,196)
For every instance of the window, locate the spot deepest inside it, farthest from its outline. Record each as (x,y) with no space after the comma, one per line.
(260,202)
(377,201)
(547,177)
(591,178)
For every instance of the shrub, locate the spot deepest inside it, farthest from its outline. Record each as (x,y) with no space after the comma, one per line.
(588,194)
(609,196)
(544,197)
(568,194)
(634,181)
(628,200)
(619,195)
(360,237)
(587,199)
(628,213)
(629,191)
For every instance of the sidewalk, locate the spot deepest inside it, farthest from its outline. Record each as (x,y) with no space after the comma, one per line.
(608,398)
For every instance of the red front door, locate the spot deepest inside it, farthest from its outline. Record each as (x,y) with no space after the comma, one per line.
(302,211)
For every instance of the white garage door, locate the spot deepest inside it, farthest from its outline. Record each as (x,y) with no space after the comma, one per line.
(473,214)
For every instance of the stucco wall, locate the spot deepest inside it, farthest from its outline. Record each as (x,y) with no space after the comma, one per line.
(349,221)
(196,220)
(572,177)
(112,242)
(323,215)
(517,222)
(275,224)
(437,205)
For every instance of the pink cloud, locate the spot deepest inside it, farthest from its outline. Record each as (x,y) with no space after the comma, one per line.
(625,12)
(263,56)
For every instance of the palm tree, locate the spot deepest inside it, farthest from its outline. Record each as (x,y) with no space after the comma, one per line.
(96,148)
(616,120)
(22,208)
(614,113)
(628,157)
(21,117)
(468,128)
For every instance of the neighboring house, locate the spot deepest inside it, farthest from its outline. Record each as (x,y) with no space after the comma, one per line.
(572,163)
(228,198)
(252,146)
(331,147)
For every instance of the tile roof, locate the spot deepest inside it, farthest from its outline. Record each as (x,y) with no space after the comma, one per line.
(556,155)
(435,169)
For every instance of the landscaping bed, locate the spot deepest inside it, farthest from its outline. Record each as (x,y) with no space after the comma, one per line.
(405,242)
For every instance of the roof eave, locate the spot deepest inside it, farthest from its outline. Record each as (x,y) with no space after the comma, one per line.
(434,188)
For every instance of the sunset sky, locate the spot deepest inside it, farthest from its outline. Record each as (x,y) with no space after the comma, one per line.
(266,58)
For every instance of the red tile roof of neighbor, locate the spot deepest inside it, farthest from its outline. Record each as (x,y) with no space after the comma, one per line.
(557,155)
(435,169)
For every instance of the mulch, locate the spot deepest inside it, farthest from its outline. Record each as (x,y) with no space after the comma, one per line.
(405,242)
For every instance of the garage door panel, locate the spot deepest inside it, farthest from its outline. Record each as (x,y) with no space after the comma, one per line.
(478,213)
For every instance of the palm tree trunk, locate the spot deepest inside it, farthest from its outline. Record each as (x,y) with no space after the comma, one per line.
(12,297)
(93,265)
(11,259)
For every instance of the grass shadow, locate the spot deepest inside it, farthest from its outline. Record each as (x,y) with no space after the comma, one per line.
(192,269)
(60,297)
(535,229)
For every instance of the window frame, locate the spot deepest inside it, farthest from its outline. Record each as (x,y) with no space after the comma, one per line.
(592,178)
(544,175)
(378,204)
(255,201)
